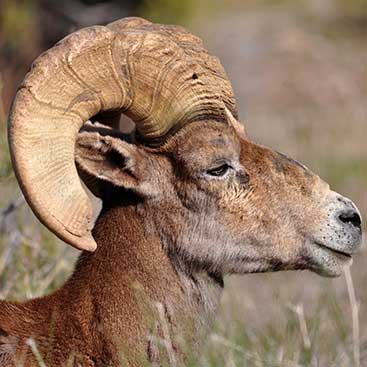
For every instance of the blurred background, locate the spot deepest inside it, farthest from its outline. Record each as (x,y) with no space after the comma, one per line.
(299,72)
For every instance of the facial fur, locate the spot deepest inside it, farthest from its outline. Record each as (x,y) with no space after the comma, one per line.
(240,207)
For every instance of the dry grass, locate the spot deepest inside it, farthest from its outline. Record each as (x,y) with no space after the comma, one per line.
(302,90)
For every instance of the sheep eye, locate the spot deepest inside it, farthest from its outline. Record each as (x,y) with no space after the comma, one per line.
(219,171)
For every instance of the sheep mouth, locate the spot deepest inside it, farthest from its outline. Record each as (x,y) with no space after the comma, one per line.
(340,254)
(328,261)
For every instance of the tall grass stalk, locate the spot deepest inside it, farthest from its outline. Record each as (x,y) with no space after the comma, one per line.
(355,316)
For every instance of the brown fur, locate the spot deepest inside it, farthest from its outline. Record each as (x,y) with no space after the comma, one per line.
(167,234)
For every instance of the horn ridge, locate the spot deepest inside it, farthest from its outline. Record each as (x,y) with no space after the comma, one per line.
(159,76)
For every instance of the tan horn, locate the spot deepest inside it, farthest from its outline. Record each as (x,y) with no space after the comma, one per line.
(160,76)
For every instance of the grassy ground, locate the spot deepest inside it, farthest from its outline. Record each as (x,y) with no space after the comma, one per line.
(299,74)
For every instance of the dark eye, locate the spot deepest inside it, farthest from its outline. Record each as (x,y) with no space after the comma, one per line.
(219,171)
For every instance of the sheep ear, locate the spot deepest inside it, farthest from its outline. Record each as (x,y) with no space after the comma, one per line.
(240,128)
(102,159)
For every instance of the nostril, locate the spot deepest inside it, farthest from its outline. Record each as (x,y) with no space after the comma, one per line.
(351,217)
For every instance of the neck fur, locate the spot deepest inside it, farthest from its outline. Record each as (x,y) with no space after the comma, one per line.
(136,285)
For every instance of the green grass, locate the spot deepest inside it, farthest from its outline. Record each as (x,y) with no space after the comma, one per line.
(168,11)
(343,170)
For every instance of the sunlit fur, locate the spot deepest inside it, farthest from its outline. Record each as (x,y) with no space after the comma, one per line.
(259,223)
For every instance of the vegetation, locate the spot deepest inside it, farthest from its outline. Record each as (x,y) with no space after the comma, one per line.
(266,320)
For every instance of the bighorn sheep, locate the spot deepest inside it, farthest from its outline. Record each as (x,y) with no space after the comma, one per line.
(185,202)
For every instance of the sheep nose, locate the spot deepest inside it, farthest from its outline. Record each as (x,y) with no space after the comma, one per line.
(351,217)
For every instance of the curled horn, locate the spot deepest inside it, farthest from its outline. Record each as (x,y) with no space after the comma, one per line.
(159,76)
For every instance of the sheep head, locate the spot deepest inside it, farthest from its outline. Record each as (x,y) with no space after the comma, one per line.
(220,202)
(223,204)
